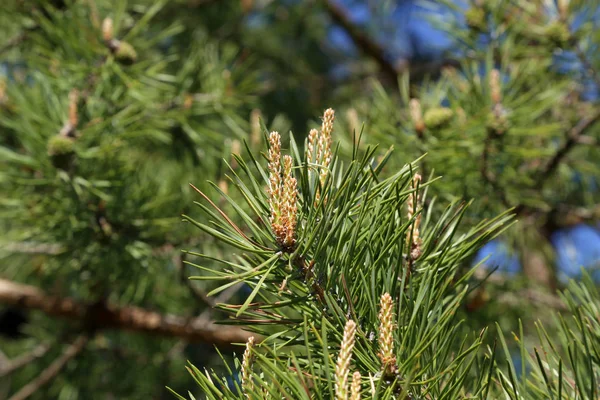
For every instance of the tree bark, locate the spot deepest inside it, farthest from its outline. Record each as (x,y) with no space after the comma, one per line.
(102,316)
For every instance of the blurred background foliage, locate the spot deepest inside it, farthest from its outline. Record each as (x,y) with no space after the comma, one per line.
(100,138)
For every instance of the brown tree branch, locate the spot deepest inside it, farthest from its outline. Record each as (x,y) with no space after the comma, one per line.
(487,175)
(362,41)
(533,295)
(205,315)
(12,365)
(53,369)
(391,69)
(106,316)
(573,137)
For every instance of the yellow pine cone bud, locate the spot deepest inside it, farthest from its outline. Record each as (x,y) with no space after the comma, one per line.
(563,8)
(313,137)
(497,121)
(438,117)
(255,128)
(342,366)
(274,167)
(355,386)
(107,29)
(413,204)
(246,367)
(386,338)
(495,90)
(73,115)
(324,145)
(416,115)
(289,207)
(327,126)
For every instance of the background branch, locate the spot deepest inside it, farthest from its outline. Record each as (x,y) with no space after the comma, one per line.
(13,41)
(12,365)
(362,41)
(487,175)
(105,316)
(53,369)
(572,139)
(391,69)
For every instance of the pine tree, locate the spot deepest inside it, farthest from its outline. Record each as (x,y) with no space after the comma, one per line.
(345,267)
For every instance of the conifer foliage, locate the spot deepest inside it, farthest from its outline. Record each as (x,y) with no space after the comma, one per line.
(108,110)
(365,301)
(335,261)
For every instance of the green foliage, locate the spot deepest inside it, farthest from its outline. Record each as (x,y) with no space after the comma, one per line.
(562,366)
(475,18)
(351,248)
(92,186)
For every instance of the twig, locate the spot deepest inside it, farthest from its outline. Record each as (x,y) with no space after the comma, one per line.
(12,365)
(572,139)
(12,42)
(362,41)
(488,176)
(309,275)
(534,296)
(206,314)
(106,316)
(587,64)
(53,369)
(392,69)
(514,299)
(34,248)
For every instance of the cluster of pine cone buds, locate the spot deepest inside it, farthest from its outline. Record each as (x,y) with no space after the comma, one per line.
(386,353)
(283,194)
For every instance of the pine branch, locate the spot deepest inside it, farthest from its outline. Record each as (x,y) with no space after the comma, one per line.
(105,316)
(53,369)
(19,362)
(587,64)
(362,41)
(487,175)
(392,70)
(572,139)
(533,295)
(12,42)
